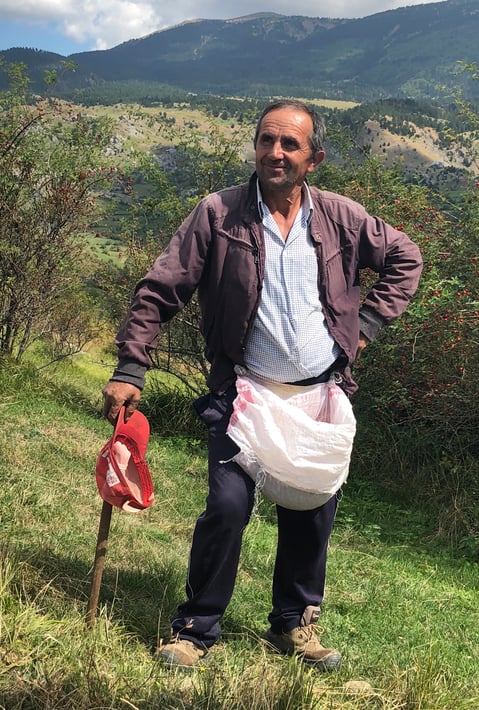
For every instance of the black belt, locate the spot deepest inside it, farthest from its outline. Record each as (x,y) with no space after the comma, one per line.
(312,380)
(338,366)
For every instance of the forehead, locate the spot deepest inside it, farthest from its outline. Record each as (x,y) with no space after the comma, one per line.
(287,121)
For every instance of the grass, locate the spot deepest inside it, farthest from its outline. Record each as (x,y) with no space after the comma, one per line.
(404,612)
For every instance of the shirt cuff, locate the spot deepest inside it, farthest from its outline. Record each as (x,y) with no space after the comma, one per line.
(370,323)
(131,372)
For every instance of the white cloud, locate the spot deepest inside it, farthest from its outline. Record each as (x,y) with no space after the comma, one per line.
(35,10)
(111,22)
(105,23)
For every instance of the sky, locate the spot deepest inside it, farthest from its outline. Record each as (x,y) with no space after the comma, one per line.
(70,26)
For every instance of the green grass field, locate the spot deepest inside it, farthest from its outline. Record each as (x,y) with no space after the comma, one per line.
(403,611)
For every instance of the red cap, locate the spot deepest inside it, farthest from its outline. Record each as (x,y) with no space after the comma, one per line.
(122,474)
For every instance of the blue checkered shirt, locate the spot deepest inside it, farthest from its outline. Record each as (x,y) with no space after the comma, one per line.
(290,340)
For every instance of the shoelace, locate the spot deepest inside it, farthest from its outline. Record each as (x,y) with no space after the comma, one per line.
(310,631)
(307,632)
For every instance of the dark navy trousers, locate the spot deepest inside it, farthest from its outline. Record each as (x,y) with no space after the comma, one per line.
(303,536)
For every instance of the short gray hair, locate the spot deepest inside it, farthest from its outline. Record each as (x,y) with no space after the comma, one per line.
(319,129)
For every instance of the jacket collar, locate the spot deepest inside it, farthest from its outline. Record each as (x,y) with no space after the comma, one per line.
(249,210)
(253,209)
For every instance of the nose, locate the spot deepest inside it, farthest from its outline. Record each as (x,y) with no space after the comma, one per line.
(276,151)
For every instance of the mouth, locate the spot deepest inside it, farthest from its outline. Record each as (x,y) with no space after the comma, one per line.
(276,169)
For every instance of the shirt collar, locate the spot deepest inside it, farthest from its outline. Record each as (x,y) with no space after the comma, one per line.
(307,204)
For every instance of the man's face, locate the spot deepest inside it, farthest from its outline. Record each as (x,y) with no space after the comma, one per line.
(283,149)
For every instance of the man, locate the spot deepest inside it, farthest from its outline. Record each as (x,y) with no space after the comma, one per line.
(276,265)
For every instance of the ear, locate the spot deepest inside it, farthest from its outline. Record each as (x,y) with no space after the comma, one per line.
(317,158)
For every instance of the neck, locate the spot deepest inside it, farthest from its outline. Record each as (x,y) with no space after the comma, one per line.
(285,203)
(284,208)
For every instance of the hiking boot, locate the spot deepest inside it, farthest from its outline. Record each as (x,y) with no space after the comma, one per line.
(303,641)
(180,653)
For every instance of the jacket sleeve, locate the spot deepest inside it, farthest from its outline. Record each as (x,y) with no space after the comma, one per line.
(163,292)
(397,261)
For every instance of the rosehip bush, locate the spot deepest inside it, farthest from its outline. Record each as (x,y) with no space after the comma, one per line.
(418,402)
(420,372)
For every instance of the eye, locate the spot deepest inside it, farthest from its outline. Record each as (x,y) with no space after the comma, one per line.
(289,144)
(265,139)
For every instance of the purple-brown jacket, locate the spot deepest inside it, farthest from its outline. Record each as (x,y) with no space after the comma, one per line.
(219,251)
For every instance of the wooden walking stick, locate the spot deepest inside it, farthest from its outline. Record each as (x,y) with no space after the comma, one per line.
(124,481)
(99,563)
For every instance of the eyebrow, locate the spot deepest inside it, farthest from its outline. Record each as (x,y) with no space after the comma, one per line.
(284,139)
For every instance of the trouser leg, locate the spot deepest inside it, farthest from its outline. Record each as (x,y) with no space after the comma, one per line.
(215,550)
(300,567)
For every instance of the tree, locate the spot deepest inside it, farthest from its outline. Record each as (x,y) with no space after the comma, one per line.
(201,161)
(51,174)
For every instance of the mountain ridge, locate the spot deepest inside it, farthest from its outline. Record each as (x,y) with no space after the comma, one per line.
(406,52)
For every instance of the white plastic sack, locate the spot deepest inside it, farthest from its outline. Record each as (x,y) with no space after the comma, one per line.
(295,443)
